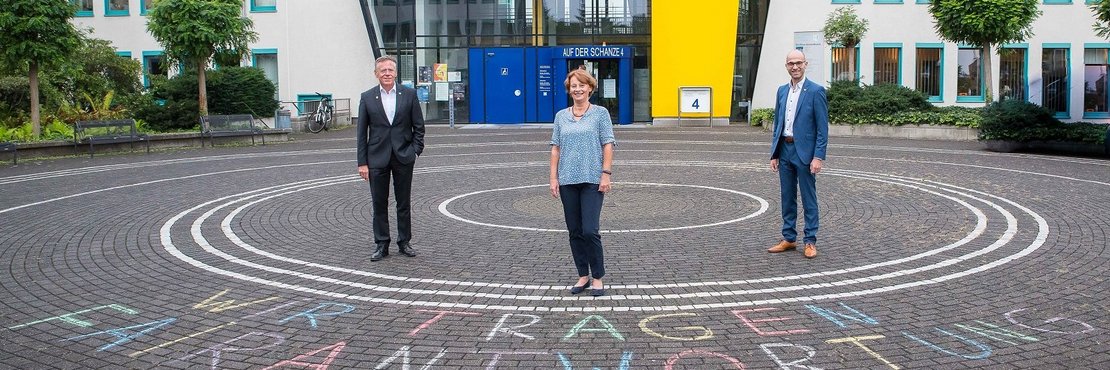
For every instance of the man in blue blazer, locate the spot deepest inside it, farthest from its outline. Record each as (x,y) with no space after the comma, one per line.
(798,151)
(390,137)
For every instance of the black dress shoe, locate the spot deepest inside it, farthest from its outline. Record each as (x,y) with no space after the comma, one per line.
(578,289)
(407,250)
(381,251)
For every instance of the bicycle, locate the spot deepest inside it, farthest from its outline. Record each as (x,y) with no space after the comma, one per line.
(322,116)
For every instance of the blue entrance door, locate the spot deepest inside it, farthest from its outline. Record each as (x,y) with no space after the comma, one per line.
(505,94)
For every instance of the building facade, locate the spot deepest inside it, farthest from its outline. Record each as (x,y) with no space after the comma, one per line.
(504,61)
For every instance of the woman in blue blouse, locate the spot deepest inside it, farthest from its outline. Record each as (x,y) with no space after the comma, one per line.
(581,158)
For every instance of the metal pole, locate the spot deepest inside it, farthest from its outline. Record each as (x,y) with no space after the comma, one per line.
(451,107)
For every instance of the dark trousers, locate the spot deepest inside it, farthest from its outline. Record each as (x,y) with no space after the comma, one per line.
(379,194)
(582,211)
(795,175)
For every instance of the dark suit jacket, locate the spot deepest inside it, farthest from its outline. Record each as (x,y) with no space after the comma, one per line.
(811,121)
(377,139)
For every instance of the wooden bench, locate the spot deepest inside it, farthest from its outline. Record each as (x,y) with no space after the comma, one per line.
(108,132)
(230,125)
(11,147)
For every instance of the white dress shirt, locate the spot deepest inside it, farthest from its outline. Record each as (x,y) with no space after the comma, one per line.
(792,107)
(389,102)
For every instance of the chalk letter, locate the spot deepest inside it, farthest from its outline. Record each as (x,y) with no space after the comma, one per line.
(439,315)
(311,314)
(219,349)
(831,315)
(984,351)
(1087,328)
(690,352)
(626,361)
(296,361)
(856,341)
(607,328)
(994,329)
(71,318)
(123,335)
(497,357)
(404,351)
(499,328)
(225,305)
(751,323)
(705,333)
(810,352)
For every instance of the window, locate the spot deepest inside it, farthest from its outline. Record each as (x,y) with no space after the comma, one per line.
(145,6)
(84,7)
(888,1)
(840,70)
(845,1)
(888,63)
(117,8)
(1054,79)
(154,64)
(125,54)
(266,60)
(263,6)
(1095,65)
(1057,1)
(1013,73)
(969,75)
(930,68)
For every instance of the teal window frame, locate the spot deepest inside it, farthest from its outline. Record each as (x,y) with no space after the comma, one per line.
(982,79)
(833,70)
(254,64)
(108,12)
(255,8)
(888,1)
(922,1)
(890,45)
(1067,77)
(1024,68)
(301,98)
(940,81)
(81,13)
(846,1)
(142,9)
(1057,2)
(146,67)
(124,53)
(1094,115)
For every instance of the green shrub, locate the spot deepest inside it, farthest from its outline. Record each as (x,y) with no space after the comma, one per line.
(241,90)
(1019,121)
(850,103)
(761,115)
(172,103)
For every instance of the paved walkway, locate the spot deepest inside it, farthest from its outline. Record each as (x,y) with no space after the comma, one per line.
(933,255)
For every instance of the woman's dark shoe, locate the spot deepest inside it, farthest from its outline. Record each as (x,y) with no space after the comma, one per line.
(578,289)
(597,292)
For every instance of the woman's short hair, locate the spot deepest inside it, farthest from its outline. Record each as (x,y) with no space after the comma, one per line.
(583,77)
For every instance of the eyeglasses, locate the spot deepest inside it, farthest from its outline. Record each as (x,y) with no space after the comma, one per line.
(795,64)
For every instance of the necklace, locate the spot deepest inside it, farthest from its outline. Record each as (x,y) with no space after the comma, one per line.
(572,108)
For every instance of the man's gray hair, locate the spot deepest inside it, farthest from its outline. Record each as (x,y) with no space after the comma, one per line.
(384,58)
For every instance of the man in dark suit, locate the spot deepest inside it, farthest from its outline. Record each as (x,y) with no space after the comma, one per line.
(390,137)
(798,151)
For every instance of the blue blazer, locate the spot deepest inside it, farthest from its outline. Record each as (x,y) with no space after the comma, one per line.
(377,140)
(811,121)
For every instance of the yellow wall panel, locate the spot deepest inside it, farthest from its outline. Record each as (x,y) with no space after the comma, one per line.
(693,43)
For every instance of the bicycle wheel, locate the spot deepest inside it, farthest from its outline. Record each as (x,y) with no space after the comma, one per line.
(317,123)
(327,116)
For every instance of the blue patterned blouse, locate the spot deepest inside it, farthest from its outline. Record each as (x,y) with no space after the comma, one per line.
(580,144)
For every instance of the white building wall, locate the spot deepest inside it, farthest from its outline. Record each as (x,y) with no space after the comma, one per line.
(910,23)
(321,45)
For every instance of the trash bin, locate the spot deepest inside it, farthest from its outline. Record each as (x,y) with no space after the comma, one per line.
(282,118)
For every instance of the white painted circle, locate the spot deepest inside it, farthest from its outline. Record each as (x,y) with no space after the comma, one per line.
(763,206)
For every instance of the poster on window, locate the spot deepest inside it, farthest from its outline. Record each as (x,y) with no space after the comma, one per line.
(423,75)
(440,72)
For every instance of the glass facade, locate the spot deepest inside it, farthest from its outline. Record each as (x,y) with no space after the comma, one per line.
(969,76)
(1012,80)
(424,33)
(1095,66)
(1054,79)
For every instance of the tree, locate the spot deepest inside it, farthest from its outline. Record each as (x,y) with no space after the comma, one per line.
(1102,18)
(36,34)
(192,31)
(843,27)
(984,24)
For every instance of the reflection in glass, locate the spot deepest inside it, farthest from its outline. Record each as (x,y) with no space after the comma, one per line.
(928,71)
(968,73)
(1054,79)
(1011,74)
(1094,77)
(887,64)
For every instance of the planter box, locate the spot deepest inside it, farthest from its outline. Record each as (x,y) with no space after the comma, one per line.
(926,132)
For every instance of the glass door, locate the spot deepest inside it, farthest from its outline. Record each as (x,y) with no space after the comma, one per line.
(607,72)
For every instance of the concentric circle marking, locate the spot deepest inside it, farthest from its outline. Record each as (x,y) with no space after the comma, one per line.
(268,193)
(763,206)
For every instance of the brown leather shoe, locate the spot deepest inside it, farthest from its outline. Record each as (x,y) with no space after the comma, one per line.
(782,246)
(810,250)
